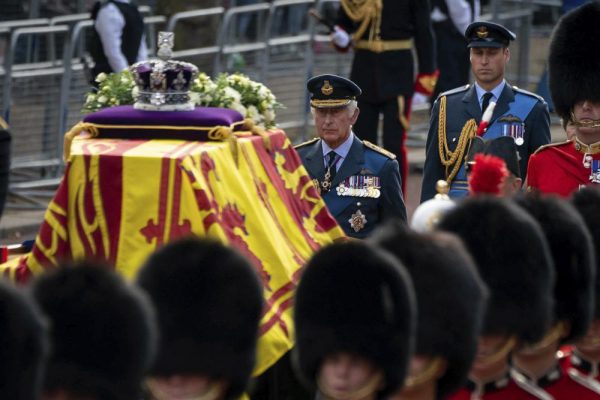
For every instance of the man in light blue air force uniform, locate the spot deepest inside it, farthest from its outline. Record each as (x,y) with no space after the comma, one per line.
(457,114)
(359,181)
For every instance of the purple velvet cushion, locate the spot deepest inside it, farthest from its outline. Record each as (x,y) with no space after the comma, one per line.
(160,124)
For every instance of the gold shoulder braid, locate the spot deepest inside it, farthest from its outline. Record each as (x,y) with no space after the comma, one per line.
(367,13)
(378,149)
(452,160)
(311,141)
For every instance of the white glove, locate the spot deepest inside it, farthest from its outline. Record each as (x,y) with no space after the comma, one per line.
(419,99)
(340,37)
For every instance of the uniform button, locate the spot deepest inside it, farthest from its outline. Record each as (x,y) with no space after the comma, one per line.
(454,139)
(358,204)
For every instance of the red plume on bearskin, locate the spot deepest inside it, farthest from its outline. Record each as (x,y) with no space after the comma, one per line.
(487,175)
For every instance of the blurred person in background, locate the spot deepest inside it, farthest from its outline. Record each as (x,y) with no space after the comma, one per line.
(118,37)
(383,34)
(449,19)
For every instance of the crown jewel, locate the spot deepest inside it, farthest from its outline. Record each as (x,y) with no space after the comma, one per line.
(163,84)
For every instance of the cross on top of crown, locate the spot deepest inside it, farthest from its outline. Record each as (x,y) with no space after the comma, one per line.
(166,41)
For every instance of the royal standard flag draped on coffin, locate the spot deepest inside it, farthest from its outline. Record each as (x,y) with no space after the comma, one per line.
(121,199)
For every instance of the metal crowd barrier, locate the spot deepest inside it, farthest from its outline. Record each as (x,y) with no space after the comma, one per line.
(205,54)
(42,96)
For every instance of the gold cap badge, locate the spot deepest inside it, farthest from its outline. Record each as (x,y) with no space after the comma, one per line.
(482,32)
(327,89)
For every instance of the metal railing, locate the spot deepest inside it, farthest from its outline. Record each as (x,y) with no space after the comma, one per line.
(43,92)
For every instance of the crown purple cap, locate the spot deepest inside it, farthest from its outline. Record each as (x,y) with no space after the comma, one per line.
(164,84)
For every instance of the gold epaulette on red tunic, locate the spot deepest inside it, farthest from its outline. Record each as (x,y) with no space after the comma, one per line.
(557,144)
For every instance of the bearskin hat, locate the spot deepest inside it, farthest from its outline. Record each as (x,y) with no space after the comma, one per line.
(571,248)
(103,332)
(355,297)
(450,297)
(24,345)
(574,62)
(209,302)
(503,147)
(513,259)
(587,202)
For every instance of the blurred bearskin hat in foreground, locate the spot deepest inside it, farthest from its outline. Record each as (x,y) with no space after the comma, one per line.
(450,297)
(513,259)
(24,346)
(102,330)
(355,297)
(572,252)
(574,59)
(587,202)
(209,301)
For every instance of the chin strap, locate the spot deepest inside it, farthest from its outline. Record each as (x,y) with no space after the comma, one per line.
(429,373)
(587,123)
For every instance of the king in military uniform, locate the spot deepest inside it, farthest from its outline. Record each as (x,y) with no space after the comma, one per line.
(575,87)
(359,181)
(460,114)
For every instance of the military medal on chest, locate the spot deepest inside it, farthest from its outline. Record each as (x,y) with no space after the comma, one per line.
(513,126)
(360,186)
(595,171)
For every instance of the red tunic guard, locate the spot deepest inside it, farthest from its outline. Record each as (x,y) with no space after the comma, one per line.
(561,168)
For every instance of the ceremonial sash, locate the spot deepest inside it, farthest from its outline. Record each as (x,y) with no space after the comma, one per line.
(519,108)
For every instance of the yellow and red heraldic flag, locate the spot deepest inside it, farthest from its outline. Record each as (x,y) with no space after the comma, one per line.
(121,199)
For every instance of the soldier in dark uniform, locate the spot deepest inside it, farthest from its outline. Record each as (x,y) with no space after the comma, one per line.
(582,361)
(354,321)
(208,301)
(5,141)
(536,368)
(513,259)
(457,114)
(575,87)
(448,325)
(383,35)
(359,181)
